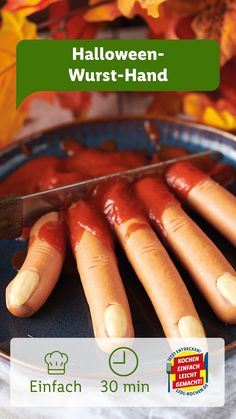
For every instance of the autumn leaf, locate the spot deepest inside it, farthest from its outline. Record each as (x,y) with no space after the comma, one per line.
(14,28)
(220,113)
(161,16)
(200,19)
(187,7)
(58,10)
(76,27)
(102,13)
(174,19)
(217,20)
(127,8)
(151,6)
(27,7)
(195,103)
(164,26)
(228,36)
(219,119)
(228,81)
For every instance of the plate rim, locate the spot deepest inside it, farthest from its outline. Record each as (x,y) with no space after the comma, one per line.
(141,117)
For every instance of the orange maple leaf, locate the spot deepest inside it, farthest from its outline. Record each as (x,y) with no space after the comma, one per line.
(14,28)
(127,8)
(102,13)
(27,7)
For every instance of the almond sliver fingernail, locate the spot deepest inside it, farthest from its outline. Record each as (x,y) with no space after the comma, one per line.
(190,327)
(226,284)
(23,286)
(115,321)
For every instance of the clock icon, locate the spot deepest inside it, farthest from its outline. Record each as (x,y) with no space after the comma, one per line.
(123,361)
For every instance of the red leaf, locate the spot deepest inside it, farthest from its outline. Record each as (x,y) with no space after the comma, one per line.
(78,28)
(75,27)
(58,30)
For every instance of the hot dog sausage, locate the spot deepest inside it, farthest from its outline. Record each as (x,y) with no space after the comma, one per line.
(207,197)
(92,246)
(211,272)
(150,261)
(38,275)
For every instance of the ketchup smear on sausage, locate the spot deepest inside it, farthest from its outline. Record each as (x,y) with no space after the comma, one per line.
(54,234)
(83,216)
(183,176)
(117,202)
(155,198)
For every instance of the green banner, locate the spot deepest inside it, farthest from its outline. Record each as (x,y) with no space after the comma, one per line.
(116,65)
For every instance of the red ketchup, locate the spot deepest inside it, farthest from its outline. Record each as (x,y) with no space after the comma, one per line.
(81,163)
(52,179)
(84,216)
(155,198)
(119,205)
(183,176)
(54,233)
(50,172)
(25,179)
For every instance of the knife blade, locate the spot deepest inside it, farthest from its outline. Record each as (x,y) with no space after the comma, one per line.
(17,212)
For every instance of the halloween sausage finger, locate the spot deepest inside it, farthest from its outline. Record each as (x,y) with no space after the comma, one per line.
(41,269)
(211,200)
(212,273)
(97,266)
(150,261)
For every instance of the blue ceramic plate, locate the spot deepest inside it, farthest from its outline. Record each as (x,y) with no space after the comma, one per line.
(66,312)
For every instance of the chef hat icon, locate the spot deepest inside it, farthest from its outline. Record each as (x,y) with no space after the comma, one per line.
(56,362)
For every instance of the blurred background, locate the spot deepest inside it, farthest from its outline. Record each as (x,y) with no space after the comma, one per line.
(113,19)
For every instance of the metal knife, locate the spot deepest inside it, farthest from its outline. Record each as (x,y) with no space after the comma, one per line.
(17,212)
